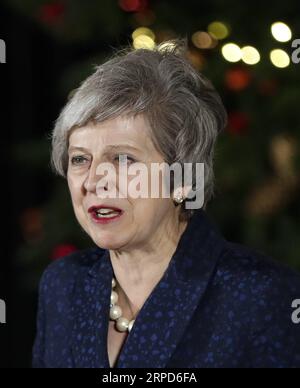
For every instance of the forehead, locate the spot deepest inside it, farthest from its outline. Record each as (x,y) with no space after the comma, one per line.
(130,130)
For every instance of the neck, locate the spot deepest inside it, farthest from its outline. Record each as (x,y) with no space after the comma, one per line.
(139,270)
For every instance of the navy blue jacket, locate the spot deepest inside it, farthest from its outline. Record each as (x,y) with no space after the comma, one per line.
(218,304)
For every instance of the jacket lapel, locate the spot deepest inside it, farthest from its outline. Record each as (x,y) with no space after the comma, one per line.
(166,313)
(164,316)
(90,329)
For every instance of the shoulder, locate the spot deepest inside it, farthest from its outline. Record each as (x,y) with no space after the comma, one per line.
(258,287)
(258,294)
(244,266)
(61,275)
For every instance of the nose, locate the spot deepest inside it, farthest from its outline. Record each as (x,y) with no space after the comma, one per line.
(90,183)
(93,182)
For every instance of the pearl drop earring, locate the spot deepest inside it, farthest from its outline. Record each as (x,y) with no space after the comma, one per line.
(178,199)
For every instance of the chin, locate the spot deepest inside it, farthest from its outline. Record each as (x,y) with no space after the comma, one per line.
(108,241)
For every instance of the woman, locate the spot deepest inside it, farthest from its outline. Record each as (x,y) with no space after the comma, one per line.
(162,288)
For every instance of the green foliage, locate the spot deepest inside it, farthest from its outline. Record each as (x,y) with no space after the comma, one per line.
(243,161)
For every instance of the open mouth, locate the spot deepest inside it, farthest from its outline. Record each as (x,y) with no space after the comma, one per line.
(104,214)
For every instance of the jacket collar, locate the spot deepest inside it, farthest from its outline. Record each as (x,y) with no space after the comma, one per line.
(167,311)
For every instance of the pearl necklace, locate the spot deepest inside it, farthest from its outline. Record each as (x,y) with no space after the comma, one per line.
(115,313)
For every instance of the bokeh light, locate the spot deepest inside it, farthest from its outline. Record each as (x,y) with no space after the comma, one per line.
(201,39)
(232,52)
(143,42)
(238,79)
(280,58)
(218,30)
(143,31)
(281,32)
(131,5)
(250,55)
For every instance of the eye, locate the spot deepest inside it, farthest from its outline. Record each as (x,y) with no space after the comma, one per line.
(78,160)
(121,158)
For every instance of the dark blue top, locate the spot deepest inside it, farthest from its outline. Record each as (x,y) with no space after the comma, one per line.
(218,304)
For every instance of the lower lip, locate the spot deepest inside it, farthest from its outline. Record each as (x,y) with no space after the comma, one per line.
(104,221)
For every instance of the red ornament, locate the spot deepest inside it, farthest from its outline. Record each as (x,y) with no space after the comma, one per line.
(238,123)
(51,13)
(62,250)
(238,79)
(133,5)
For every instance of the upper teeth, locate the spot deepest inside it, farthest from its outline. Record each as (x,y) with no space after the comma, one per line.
(105,210)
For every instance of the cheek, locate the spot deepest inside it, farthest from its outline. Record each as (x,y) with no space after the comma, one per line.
(150,211)
(75,188)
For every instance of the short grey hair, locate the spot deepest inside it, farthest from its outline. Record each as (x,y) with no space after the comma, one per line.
(184,111)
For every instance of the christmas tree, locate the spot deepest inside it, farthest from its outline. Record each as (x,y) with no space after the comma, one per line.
(257,156)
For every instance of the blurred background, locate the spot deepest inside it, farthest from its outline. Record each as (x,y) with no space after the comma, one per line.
(245,48)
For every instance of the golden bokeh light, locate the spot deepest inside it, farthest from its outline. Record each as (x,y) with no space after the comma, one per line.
(143,31)
(250,55)
(143,42)
(218,30)
(232,52)
(280,58)
(204,40)
(281,32)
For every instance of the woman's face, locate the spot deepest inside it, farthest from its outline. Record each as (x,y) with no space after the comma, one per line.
(142,220)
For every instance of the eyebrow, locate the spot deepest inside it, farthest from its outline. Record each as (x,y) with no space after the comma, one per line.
(121,146)
(110,147)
